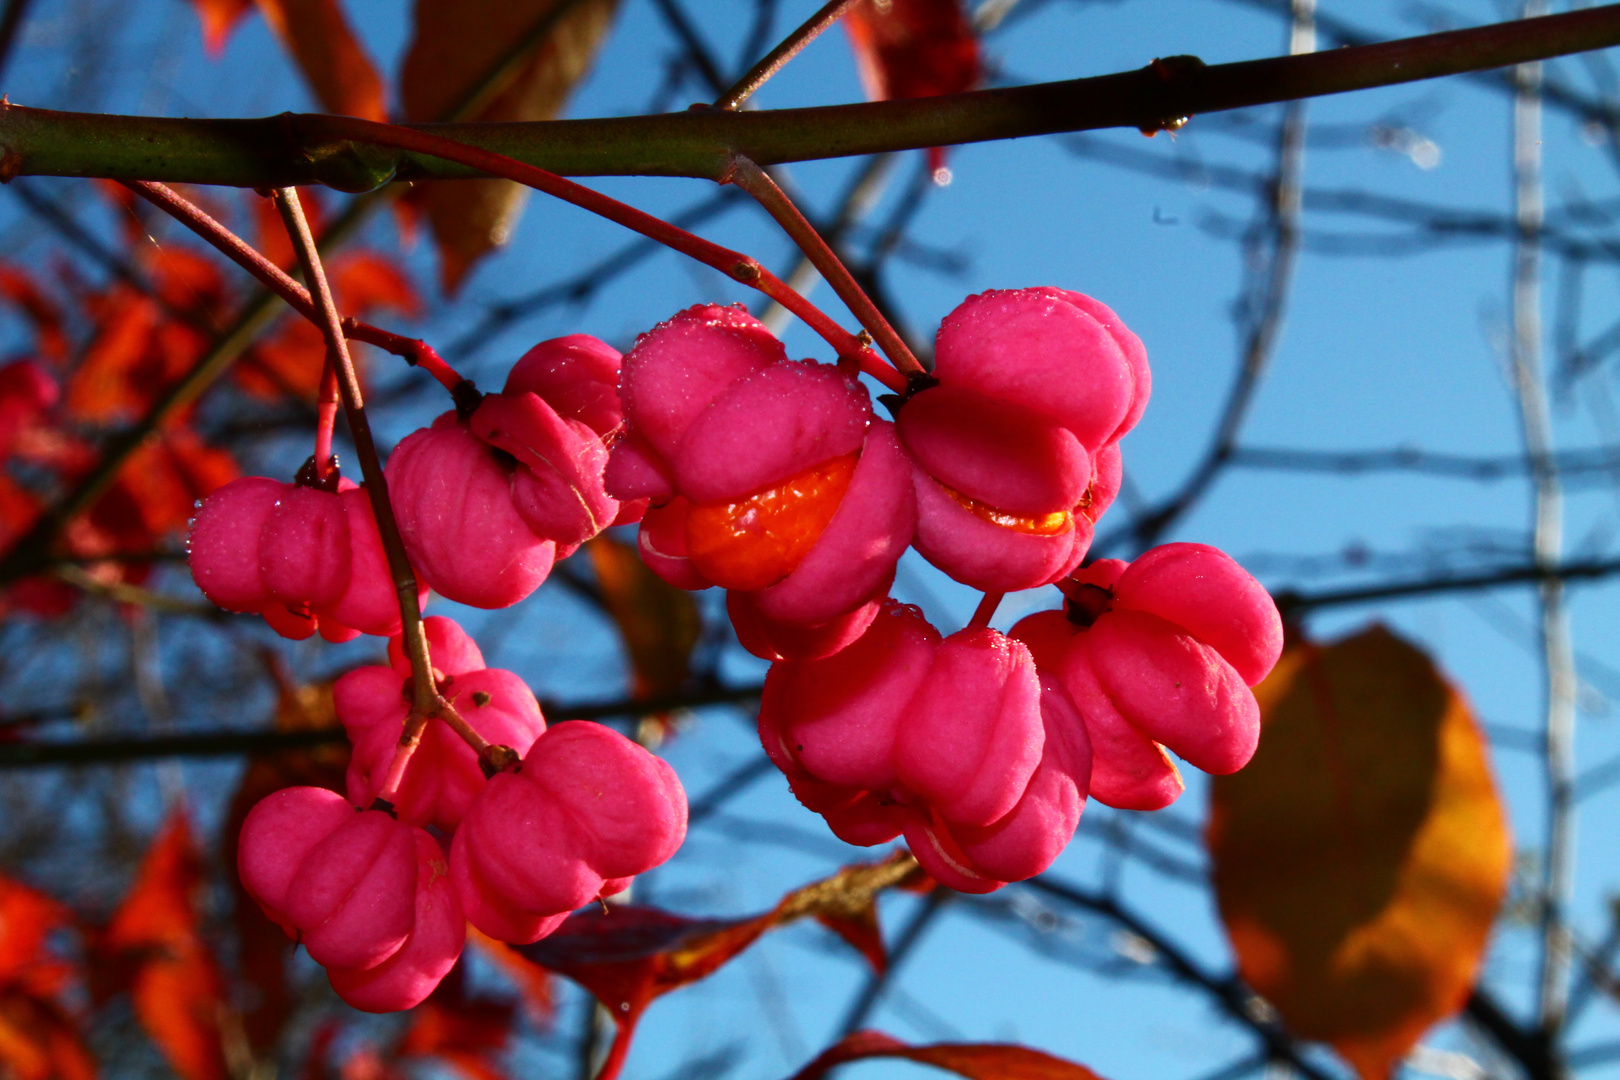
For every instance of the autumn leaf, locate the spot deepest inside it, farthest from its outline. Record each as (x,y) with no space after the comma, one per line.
(156,950)
(978,1061)
(219,18)
(658,622)
(912,49)
(628,957)
(1361,857)
(333,60)
(458,45)
(39,1039)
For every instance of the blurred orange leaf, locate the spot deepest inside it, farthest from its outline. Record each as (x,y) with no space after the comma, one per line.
(658,622)
(219,18)
(912,49)
(458,46)
(333,60)
(1361,857)
(154,943)
(977,1061)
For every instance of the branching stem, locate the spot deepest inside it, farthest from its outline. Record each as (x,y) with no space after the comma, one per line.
(754,180)
(414,351)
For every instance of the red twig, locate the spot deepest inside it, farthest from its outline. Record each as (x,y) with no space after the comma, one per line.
(986,610)
(757,182)
(733,264)
(326,410)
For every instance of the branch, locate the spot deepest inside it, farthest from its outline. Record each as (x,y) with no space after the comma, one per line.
(1291,602)
(301,148)
(22,755)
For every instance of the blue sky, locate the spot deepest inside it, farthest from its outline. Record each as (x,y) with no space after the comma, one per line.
(1376,353)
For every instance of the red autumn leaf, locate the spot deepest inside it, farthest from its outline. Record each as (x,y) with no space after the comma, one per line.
(977,1061)
(333,60)
(219,18)
(40,1041)
(172,978)
(456,47)
(20,289)
(627,957)
(186,280)
(914,48)
(38,1037)
(365,281)
(108,384)
(464,1033)
(26,392)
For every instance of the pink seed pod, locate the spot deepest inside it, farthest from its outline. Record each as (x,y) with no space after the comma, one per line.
(1016,446)
(1030,836)
(973,734)
(577,375)
(1167,646)
(278,835)
(773,639)
(679,367)
(586,809)
(443,776)
(369,603)
(453,499)
(223,548)
(368,896)
(852,561)
(837,720)
(1056,352)
(767,475)
(557,487)
(304,548)
(352,897)
(438,935)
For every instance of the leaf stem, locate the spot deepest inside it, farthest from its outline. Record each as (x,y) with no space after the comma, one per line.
(326,411)
(777,58)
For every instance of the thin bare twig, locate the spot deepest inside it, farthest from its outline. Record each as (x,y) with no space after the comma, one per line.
(778,57)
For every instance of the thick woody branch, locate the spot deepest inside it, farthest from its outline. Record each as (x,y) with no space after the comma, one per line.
(304,149)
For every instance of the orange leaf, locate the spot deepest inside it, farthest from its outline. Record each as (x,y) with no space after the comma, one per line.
(108,383)
(27,918)
(332,59)
(630,956)
(978,1061)
(1361,857)
(219,18)
(174,982)
(658,622)
(457,45)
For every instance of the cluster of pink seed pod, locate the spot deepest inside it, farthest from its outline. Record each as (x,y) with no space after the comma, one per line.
(773,479)
(381,901)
